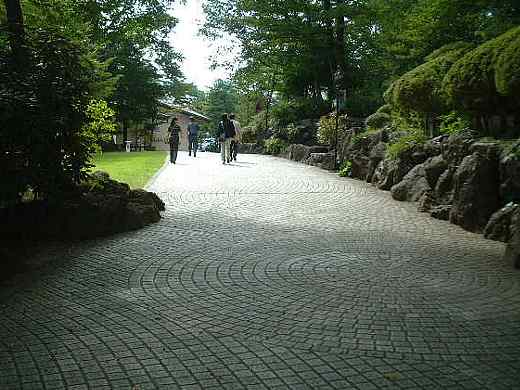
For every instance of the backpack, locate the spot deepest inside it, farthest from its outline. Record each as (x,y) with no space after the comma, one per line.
(230,129)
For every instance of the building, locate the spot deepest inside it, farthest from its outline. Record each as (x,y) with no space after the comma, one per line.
(160,133)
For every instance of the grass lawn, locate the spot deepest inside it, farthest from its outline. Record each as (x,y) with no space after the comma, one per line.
(134,168)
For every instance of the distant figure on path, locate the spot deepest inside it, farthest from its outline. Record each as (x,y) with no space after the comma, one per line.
(193,132)
(236,139)
(173,139)
(225,132)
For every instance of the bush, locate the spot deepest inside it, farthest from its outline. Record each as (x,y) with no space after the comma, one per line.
(385,109)
(486,79)
(378,120)
(420,90)
(454,123)
(327,128)
(294,110)
(346,169)
(51,124)
(405,144)
(275,145)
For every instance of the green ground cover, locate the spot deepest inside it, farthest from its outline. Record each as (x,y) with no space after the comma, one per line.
(134,168)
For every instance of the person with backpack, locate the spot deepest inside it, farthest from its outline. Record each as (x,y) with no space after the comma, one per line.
(193,132)
(225,132)
(235,141)
(173,139)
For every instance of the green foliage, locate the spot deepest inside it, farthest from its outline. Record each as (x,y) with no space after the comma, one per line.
(507,69)
(471,81)
(405,144)
(275,145)
(327,128)
(378,120)
(221,98)
(50,123)
(346,169)
(454,123)
(100,125)
(385,109)
(291,111)
(420,90)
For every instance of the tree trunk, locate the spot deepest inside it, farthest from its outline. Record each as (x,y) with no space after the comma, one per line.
(329,43)
(16,29)
(339,45)
(125,132)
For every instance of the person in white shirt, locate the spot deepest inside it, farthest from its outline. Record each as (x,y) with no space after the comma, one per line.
(236,139)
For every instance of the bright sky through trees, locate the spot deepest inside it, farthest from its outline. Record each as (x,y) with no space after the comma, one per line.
(196,49)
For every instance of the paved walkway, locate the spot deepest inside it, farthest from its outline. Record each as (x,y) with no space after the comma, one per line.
(267,274)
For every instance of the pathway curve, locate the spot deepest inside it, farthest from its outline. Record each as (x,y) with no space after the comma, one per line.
(267,274)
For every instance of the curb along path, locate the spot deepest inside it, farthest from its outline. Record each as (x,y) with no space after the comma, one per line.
(267,274)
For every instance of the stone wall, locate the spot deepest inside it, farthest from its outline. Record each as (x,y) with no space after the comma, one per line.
(472,182)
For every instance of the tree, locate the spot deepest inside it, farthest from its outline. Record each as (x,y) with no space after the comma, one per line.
(221,98)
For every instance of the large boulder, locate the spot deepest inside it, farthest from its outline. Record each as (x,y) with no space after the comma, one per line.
(443,191)
(510,174)
(322,160)
(498,227)
(377,154)
(298,152)
(357,149)
(413,186)
(441,212)
(433,169)
(512,255)
(476,188)
(250,148)
(457,146)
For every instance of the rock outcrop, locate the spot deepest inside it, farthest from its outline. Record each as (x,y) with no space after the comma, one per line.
(499,226)
(101,206)
(512,255)
(476,188)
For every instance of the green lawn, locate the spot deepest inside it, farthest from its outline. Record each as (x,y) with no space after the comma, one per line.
(134,168)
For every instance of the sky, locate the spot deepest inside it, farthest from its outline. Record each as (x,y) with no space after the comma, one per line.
(195,49)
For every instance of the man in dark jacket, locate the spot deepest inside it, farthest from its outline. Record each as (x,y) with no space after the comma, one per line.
(225,132)
(193,132)
(173,139)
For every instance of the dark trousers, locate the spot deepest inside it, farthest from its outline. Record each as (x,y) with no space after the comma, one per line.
(192,144)
(234,150)
(173,153)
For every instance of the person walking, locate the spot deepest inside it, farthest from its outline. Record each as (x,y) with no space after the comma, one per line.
(193,132)
(235,141)
(225,133)
(173,139)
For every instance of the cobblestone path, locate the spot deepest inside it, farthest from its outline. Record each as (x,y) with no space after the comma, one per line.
(267,274)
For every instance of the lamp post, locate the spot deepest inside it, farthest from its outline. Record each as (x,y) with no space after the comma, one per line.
(339,100)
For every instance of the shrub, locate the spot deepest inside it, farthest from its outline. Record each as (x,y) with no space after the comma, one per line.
(385,109)
(507,69)
(346,169)
(420,90)
(482,80)
(454,123)
(378,120)
(405,144)
(50,122)
(294,110)
(327,128)
(275,145)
